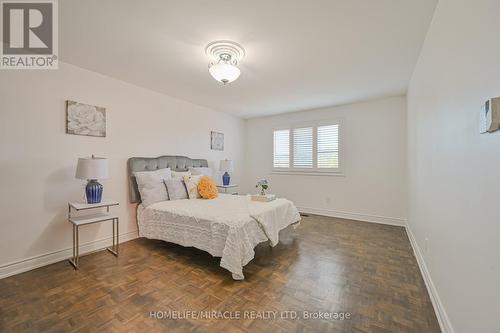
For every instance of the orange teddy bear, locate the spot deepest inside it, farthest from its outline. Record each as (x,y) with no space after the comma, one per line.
(207,188)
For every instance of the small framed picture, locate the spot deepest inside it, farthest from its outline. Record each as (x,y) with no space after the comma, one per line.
(216,141)
(84,119)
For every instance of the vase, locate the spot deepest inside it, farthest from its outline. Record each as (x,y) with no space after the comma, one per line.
(93,190)
(226,179)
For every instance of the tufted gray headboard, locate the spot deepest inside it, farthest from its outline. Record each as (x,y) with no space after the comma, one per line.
(176,163)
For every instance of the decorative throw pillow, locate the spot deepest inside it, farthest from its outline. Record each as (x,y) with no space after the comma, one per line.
(151,186)
(192,186)
(176,188)
(207,188)
(180,174)
(204,171)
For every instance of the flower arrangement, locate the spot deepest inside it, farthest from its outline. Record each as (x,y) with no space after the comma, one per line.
(263,184)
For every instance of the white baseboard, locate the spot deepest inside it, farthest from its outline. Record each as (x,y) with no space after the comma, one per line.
(354,216)
(444,321)
(28,264)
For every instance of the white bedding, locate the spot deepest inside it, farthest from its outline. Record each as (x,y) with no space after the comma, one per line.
(229,226)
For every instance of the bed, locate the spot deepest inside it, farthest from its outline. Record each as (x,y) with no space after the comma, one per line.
(228,227)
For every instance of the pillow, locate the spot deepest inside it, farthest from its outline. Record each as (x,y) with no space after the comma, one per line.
(192,186)
(201,171)
(176,189)
(207,188)
(151,187)
(180,174)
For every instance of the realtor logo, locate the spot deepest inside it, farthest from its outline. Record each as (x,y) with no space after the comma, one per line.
(29,34)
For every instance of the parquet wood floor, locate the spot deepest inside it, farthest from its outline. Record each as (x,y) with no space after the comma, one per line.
(327,264)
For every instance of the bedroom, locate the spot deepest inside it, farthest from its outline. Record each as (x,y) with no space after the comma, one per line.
(399,225)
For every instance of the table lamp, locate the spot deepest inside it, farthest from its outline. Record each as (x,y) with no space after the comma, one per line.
(92,169)
(226,166)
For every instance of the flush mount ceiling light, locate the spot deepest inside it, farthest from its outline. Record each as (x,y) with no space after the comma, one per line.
(224,58)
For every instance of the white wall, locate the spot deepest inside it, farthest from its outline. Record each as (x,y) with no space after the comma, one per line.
(374,140)
(454,181)
(38,160)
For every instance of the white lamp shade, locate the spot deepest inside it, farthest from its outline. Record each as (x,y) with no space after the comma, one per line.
(224,73)
(226,166)
(92,168)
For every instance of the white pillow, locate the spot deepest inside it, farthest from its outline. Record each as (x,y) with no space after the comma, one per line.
(151,186)
(192,186)
(180,174)
(205,171)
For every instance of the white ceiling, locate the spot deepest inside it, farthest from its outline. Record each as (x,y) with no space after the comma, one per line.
(299,54)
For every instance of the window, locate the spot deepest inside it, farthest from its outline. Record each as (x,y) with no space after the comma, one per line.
(303,147)
(308,148)
(328,146)
(281,149)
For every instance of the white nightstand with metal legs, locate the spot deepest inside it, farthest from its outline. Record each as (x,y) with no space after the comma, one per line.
(78,221)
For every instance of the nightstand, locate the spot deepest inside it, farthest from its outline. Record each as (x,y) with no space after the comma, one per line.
(231,188)
(78,221)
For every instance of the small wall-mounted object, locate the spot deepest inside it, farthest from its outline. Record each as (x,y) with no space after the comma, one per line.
(489,119)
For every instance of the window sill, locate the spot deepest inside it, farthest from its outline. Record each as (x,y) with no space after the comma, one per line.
(308,173)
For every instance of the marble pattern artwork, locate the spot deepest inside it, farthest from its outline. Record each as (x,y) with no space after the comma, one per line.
(84,119)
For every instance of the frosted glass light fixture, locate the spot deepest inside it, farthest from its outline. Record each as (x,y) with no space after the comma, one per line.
(224,72)
(225,57)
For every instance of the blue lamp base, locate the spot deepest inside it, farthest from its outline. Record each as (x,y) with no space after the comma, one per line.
(226,179)
(93,190)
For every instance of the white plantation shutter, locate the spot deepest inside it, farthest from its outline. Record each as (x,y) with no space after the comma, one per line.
(281,158)
(312,147)
(303,147)
(328,146)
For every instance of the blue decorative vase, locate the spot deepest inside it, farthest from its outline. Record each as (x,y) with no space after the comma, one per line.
(93,190)
(225,179)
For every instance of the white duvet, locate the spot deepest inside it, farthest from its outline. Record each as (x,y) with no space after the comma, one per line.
(229,226)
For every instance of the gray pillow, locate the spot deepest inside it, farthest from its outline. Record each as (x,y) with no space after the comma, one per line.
(151,186)
(176,188)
